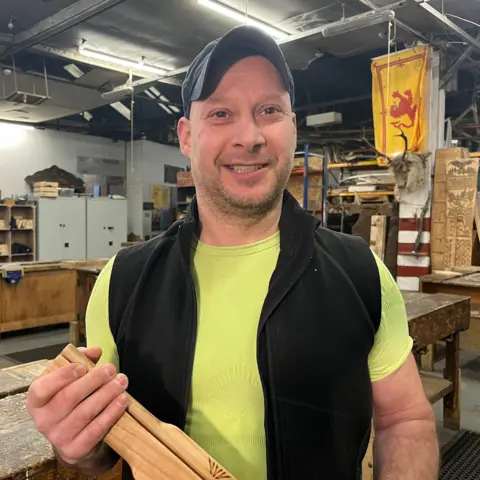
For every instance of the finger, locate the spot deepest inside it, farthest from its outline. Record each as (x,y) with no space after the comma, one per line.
(92,353)
(96,430)
(90,408)
(44,388)
(66,400)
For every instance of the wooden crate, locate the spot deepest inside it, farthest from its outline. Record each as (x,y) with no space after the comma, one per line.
(45,189)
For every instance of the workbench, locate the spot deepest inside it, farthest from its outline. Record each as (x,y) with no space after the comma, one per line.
(431,318)
(461,281)
(47,294)
(25,453)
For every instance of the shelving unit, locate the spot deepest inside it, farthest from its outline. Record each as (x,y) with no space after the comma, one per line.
(185,192)
(17,233)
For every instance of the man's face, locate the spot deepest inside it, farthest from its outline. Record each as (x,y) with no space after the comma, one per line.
(242,139)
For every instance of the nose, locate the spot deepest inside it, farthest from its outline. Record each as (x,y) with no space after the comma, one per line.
(248,135)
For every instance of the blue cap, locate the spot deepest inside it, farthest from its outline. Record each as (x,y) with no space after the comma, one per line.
(209,66)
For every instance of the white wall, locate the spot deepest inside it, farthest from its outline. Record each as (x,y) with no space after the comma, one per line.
(24,152)
(147,169)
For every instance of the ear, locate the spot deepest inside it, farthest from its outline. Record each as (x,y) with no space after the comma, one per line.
(184,136)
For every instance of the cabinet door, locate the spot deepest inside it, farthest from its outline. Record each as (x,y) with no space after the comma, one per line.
(106,227)
(49,230)
(74,229)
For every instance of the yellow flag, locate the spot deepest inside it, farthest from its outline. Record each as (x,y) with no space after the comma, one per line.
(398,96)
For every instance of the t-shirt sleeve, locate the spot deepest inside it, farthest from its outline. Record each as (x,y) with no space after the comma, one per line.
(97,322)
(392,342)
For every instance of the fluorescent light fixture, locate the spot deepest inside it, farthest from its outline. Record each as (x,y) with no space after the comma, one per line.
(155,91)
(242,18)
(15,126)
(140,66)
(87,116)
(174,108)
(165,108)
(368,20)
(74,71)
(150,94)
(122,110)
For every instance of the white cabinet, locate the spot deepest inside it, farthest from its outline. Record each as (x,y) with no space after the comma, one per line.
(106,226)
(61,229)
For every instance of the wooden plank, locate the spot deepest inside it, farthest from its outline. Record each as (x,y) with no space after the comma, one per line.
(17,379)
(435,388)
(461,184)
(439,204)
(378,235)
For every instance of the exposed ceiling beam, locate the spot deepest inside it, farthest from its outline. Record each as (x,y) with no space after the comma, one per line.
(74,56)
(456,65)
(406,27)
(291,38)
(446,21)
(60,21)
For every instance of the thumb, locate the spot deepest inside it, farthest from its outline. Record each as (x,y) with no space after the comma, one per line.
(92,353)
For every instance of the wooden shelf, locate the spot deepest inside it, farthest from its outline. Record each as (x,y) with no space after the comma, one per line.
(25,236)
(359,164)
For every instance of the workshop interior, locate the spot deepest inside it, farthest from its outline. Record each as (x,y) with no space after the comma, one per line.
(388,149)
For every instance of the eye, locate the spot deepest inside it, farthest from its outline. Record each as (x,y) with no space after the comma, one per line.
(220,114)
(270,110)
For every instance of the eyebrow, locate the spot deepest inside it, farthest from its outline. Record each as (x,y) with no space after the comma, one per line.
(267,98)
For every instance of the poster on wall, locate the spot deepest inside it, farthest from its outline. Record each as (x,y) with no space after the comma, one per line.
(160,197)
(398,100)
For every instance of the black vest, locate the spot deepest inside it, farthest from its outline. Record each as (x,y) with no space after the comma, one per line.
(315,333)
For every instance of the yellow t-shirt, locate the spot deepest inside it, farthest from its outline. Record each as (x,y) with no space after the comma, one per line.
(226,414)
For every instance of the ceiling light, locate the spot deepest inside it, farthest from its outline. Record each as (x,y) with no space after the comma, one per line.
(87,116)
(155,91)
(174,109)
(122,110)
(150,94)
(368,20)
(140,66)
(74,71)
(165,108)
(242,18)
(15,126)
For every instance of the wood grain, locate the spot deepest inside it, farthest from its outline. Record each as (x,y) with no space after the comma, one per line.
(152,448)
(378,235)
(40,298)
(18,378)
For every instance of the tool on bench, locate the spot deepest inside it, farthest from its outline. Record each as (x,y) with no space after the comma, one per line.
(153,449)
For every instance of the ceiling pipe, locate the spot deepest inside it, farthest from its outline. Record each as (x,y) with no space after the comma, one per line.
(66,18)
(283,41)
(446,21)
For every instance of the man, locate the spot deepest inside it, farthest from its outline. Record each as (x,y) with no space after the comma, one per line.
(266,338)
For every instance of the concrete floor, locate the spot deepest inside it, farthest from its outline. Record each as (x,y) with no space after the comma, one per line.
(469,362)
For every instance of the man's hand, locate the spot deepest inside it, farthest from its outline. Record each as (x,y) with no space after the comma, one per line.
(406,444)
(74,409)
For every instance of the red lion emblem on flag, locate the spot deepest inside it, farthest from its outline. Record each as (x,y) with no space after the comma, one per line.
(404,107)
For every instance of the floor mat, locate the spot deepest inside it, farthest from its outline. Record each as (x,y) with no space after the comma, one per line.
(43,353)
(461,457)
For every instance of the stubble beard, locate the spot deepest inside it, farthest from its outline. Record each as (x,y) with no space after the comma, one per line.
(232,207)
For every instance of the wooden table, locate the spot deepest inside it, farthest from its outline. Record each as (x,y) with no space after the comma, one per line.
(49,293)
(432,318)
(86,275)
(44,296)
(25,453)
(463,281)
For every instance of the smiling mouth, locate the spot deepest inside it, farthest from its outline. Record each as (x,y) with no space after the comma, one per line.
(245,168)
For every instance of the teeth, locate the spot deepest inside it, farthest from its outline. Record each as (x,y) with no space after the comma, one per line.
(245,169)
